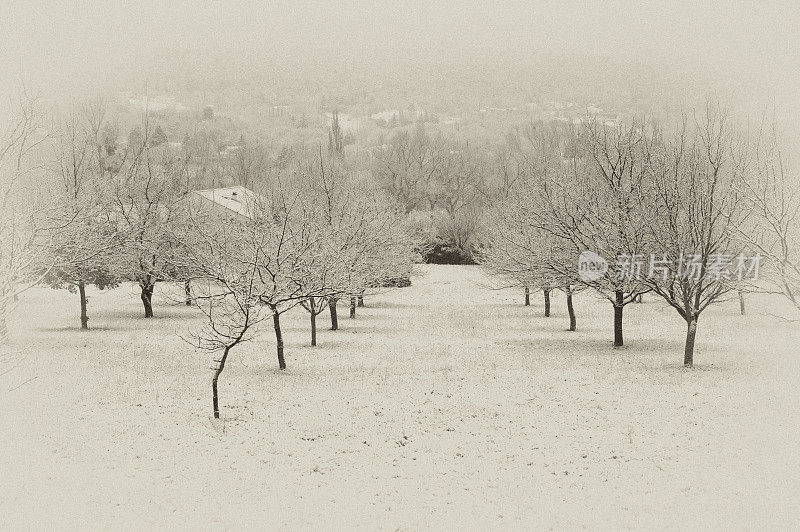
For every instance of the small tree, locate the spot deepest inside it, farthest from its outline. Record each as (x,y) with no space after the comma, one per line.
(382,250)
(366,236)
(252,266)
(522,254)
(281,243)
(212,250)
(511,251)
(78,263)
(314,306)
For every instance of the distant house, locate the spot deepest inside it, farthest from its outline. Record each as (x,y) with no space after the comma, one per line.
(157,104)
(386,116)
(235,201)
(348,123)
(229,151)
(278,111)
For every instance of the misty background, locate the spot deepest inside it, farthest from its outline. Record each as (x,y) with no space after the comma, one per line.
(84,45)
(452,58)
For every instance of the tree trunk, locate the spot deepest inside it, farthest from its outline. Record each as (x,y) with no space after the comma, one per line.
(618,307)
(313,327)
(187,287)
(527,297)
(353,307)
(84,316)
(276,321)
(219,369)
(147,299)
(547,303)
(334,317)
(691,332)
(571,310)
(361,300)
(741,302)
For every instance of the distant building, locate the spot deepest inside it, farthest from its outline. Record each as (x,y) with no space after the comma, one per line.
(349,124)
(156,104)
(228,151)
(386,116)
(235,201)
(499,110)
(278,111)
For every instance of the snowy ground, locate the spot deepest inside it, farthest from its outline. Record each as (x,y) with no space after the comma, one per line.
(442,405)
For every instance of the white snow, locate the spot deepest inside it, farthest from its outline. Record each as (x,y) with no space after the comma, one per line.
(443,405)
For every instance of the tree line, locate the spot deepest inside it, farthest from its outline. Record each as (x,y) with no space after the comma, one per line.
(666,210)
(312,231)
(692,212)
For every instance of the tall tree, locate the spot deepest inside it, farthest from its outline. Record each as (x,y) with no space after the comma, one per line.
(590,198)
(84,253)
(335,136)
(522,254)
(146,187)
(769,221)
(24,220)
(407,166)
(693,184)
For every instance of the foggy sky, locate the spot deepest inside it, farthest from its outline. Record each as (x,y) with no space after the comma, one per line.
(71,48)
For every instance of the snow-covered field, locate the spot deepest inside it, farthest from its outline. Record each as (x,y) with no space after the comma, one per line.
(443,405)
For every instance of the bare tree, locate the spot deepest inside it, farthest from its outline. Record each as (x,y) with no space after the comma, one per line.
(83,254)
(255,267)
(769,221)
(212,250)
(382,251)
(314,306)
(335,136)
(284,243)
(590,197)
(24,221)
(368,241)
(145,191)
(570,289)
(522,254)
(250,164)
(509,167)
(406,168)
(693,188)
